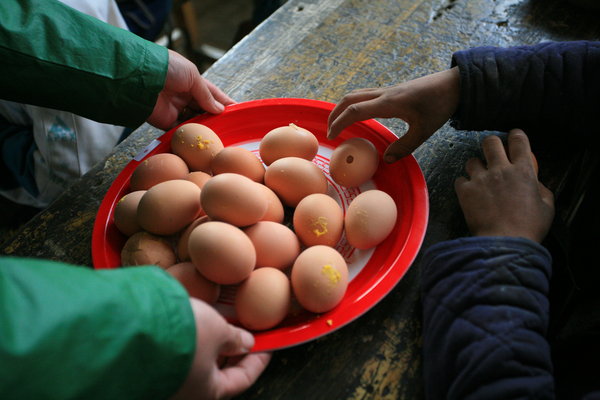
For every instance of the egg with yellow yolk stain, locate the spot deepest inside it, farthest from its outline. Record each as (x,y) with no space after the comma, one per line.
(319,278)
(318,219)
(197,145)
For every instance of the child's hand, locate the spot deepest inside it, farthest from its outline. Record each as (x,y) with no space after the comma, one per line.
(215,341)
(424,103)
(505,197)
(185,93)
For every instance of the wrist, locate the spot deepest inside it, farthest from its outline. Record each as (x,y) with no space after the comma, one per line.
(450,85)
(509,233)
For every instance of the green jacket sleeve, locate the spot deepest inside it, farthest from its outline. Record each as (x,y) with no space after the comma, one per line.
(71,332)
(57,57)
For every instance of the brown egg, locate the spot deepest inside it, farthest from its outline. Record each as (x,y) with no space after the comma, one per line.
(184,237)
(353,162)
(263,300)
(238,160)
(156,169)
(221,252)
(197,144)
(319,278)
(293,178)
(318,219)
(126,211)
(233,198)
(143,248)
(288,141)
(275,211)
(370,218)
(194,283)
(168,207)
(276,245)
(198,177)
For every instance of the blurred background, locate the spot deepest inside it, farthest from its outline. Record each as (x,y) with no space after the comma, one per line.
(203,30)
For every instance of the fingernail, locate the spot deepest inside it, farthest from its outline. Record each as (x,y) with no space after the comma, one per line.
(390,158)
(247,340)
(219,106)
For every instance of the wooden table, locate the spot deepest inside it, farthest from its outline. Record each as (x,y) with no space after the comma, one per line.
(322,50)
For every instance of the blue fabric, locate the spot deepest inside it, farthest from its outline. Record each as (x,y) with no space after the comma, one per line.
(549,87)
(16,157)
(485,319)
(145,18)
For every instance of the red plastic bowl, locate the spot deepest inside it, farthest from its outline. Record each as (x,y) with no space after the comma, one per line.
(373,273)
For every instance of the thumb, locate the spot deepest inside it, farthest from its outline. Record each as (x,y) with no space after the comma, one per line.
(237,341)
(405,145)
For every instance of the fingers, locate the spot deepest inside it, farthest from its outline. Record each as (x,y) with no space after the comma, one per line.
(405,145)
(209,97)
(203,96)
(240,372)
(236,341)
(194,107)
(218,94)
(236,379)
(227,339)
(354,107)
(474,166)
(519,148)
(355,96)
(494,152)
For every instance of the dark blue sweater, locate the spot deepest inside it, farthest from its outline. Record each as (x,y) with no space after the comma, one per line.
(486,316)
(485,299)
(550,90)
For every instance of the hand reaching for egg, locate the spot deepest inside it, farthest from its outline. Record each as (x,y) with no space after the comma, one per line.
(425,103)
(215,339)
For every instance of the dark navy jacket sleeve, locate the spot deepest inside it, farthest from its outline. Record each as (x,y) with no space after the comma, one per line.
(486,314)
(549,87)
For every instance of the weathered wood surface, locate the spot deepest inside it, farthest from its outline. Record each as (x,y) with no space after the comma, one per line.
(322,50)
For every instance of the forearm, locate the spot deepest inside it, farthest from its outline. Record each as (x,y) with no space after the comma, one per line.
(485,318)
(549,87)
(57,57)
(72,332)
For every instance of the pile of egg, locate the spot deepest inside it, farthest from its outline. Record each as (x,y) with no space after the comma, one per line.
(213,215)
